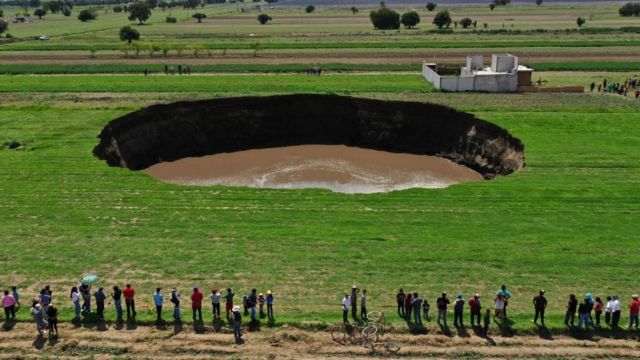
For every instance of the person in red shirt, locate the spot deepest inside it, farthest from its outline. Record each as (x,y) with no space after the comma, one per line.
(129,293)
(474,305)
(196,303)
(634,309)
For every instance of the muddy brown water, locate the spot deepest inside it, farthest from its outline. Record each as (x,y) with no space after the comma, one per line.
(334,167)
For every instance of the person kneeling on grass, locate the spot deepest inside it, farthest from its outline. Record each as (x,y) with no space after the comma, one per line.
(237,323)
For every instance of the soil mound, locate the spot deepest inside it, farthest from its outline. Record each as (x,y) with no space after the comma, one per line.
(174,131)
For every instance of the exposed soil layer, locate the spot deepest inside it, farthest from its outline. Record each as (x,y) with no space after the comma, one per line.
(130,341)
(334,167)
(197,128)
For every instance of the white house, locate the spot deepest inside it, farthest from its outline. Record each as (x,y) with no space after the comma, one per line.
(504,75)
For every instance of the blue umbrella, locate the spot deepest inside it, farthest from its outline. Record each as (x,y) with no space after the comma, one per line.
(89,279)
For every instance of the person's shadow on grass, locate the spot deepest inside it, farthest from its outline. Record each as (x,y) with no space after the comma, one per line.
(177,327)
(198,327)
(417,329)
(8,325)
(39,342)
(53,340)
(444,330)
(543,332)
(505,327)
(132,324)
(254,325)
(217,324)
(462,332)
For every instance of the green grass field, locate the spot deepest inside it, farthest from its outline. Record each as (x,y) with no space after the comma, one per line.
(565,223)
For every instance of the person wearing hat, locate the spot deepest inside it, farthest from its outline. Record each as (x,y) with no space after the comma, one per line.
(458,309)
(215,302)
(158,300)
(52,318)
(196,303)
(252,301)
(442,303)
(175,300)
(539,305)
(38,316)
(270,305)
(261,305)
(475,308)
(237,323)
(354,303)
(634,309)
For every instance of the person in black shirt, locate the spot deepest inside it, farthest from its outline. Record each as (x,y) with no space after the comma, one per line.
(539,304)
(400,300)
(237,323)
(116,295)
(100,298)
(571,310)
(52,314)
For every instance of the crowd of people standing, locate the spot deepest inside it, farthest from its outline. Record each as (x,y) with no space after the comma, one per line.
(629,86)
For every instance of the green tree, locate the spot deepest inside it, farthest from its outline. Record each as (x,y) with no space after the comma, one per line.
(466,22)
(309,9)
(410,19)
(264,18)
(87,15)
(117,9)
(539,2)
(502,2)
(191,4)
(385,19)
(256,47)
(630,9)
(4,26)
(128,34)
(34,4)
(66,11)
(442,19)
(431,6)
(354,10)
(139,11)
(492,6)
(152,4)
(199,16)
(580,21)
(40,13)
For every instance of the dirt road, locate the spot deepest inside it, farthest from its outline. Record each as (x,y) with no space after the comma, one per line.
(130,341)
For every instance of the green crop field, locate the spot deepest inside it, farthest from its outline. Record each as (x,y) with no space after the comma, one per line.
(565,223)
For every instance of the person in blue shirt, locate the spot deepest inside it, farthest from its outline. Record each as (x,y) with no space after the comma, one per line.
(100,298)
(158,299)
(14,292)
(506,295)
(270,305)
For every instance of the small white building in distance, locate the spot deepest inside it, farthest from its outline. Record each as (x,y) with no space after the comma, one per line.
(504,75)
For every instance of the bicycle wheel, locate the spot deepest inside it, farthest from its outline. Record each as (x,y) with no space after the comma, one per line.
(338,334)
(374,316)
(391,347)
(370,333)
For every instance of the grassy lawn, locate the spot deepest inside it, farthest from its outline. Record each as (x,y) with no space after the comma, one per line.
(557,225)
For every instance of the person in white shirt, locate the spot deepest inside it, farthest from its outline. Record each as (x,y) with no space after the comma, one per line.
(608,309)
(75,298)
(215,302)
(615,314)
(499,307)
(346,303)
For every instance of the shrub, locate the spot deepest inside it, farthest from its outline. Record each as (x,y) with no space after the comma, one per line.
(466,22)
(410,19)
(580,21)
(431,6)
(354,10)
(4,26)
(171,19)
(442,19)
(492,6)
(385,19)
(87,15)
(309,9)
(199,16)
(630,9)
(538,2)
(117,9)
(66,11)
(128,34)
(502,2)
(264,18)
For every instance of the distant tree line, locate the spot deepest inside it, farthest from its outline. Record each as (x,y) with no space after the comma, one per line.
(630,9)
